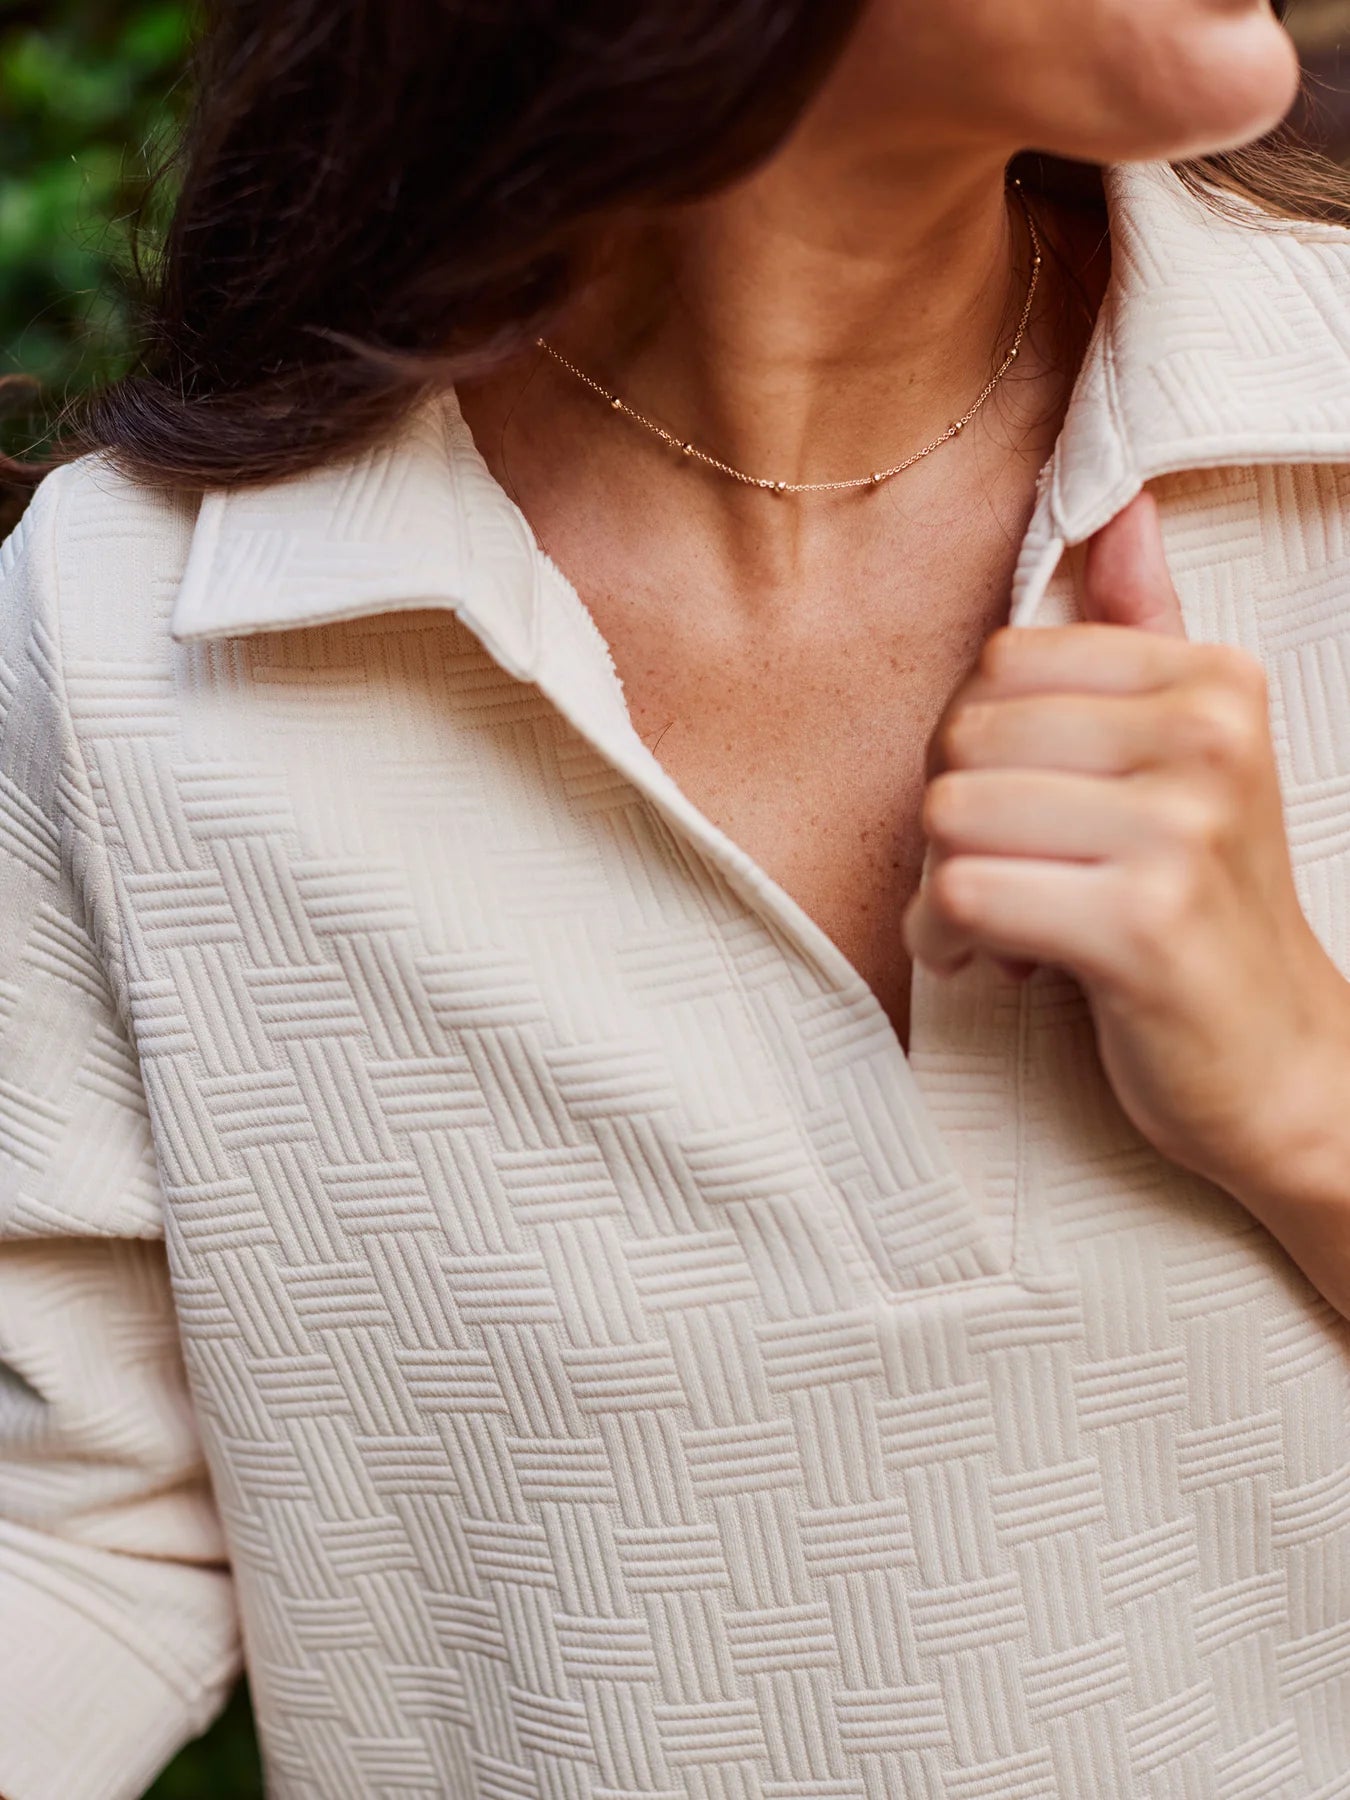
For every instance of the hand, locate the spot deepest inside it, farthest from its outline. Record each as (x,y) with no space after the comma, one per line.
(1105,798)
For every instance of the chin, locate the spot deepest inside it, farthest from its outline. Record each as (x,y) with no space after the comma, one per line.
(1197,89)
(1216,92)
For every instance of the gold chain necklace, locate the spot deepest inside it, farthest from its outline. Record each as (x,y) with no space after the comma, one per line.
(617,404)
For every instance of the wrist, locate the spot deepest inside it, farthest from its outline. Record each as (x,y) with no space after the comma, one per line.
(1294,1171)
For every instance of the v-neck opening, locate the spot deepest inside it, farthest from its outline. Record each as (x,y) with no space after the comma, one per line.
(957,1221)
(827,954)
(935,1230)
(829,957)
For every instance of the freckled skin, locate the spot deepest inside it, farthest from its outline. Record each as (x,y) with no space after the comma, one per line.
(792,692)
(823,777)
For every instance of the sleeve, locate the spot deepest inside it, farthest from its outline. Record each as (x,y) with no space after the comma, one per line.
(118,1635)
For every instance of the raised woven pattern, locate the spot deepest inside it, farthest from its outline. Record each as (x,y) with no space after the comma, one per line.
(622,1375)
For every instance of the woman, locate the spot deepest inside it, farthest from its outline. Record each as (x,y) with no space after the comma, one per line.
(630,595)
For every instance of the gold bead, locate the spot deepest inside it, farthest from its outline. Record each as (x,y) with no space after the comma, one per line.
(780,487)
(877,478)
(958,426)
(687,449)
(616,403)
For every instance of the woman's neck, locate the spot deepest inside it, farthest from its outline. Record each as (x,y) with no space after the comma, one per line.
(809,325)
(807,337)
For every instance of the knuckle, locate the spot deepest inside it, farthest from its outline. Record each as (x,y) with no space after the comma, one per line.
(1219,725)
(960,735)
(1159,905)
(1193,819)
(944,746)
(942,808)
(1238,669)
(998,655)
(955,893)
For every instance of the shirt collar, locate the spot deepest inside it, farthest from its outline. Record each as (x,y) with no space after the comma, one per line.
(419,522)
(1220,342)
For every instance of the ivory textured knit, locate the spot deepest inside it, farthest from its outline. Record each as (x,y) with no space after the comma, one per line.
(461,1219)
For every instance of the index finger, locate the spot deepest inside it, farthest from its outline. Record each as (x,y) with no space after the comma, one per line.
(1087,658)
(1022,661)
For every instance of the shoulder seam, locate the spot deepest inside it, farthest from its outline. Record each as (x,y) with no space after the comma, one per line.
(115,965)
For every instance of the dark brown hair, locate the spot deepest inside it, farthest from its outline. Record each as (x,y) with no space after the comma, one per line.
(379,195)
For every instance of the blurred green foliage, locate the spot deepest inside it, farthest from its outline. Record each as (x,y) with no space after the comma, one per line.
(89,92)
(87,99)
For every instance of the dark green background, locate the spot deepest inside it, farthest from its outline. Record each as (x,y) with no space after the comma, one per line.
(86,95)
(88,89)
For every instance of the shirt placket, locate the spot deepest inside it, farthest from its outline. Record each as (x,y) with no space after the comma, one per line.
(933,1133)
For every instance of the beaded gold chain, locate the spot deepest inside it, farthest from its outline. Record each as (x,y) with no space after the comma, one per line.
(619,405)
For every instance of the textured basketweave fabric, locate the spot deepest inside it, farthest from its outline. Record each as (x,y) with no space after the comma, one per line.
(458,1217)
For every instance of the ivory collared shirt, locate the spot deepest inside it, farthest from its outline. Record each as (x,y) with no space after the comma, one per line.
(460,1220)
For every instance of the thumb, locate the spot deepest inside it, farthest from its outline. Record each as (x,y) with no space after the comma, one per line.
(1126,580)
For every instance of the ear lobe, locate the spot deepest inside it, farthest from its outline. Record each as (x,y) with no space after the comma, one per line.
(1126,580)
